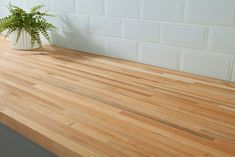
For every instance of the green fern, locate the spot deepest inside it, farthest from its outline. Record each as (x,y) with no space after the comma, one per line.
(33,22)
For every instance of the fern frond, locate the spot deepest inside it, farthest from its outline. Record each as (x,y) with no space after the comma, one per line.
(10,30)
(18,31)
(36,8)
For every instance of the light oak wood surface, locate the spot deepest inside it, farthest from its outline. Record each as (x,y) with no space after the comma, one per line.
(77,104)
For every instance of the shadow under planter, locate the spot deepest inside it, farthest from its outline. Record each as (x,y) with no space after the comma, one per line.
(13,144)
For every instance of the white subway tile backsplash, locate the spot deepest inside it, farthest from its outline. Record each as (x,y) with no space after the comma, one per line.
(106,26)
(3,12)
(25,4)
(222,39)
(122,49)
(82,41)
(162,56)
(33,3)
(142,31)
(20,3)
(64,39)
(182,35)
(216,12)
(4,3)
(57,21)
(205,63)
(91,43)
(90,7)
(161,9)
(63,6)
(122,8)
(76,23)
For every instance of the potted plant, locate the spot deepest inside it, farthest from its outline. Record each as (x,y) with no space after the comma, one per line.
(25,28)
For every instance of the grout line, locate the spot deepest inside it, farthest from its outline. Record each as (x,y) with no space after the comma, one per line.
(154,21)
(183,3)
(90,25)
(230,72)
(105,8)
(205,40)
(139,9)
(75,6)
(49,5)
(159,35)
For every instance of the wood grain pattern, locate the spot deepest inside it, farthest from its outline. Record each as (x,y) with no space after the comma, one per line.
(77,104)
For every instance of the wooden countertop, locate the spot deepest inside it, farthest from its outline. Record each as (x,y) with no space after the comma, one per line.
(83,105)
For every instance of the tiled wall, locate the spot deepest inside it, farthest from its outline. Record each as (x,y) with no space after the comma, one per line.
(196,36)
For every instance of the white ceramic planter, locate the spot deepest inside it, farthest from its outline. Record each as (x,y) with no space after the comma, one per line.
(24,42)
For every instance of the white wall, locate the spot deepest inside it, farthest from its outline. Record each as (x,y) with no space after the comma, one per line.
(196,36)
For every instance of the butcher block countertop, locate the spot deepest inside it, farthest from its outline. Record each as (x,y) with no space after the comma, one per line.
(76,104)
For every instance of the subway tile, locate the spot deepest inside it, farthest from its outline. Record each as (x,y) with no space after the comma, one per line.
(222,39)
(163,56)
(64,39)
(63,6)
(25,4)
(90,43)
(106,26)
(142,31)
(21,3)
(206,63)
(166,10)
(76,23)
(3,12)
(122,8)
(56,20)
(33,3)
(90,7)
(125,49)
(4,3)
(187,36)
(215,12)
